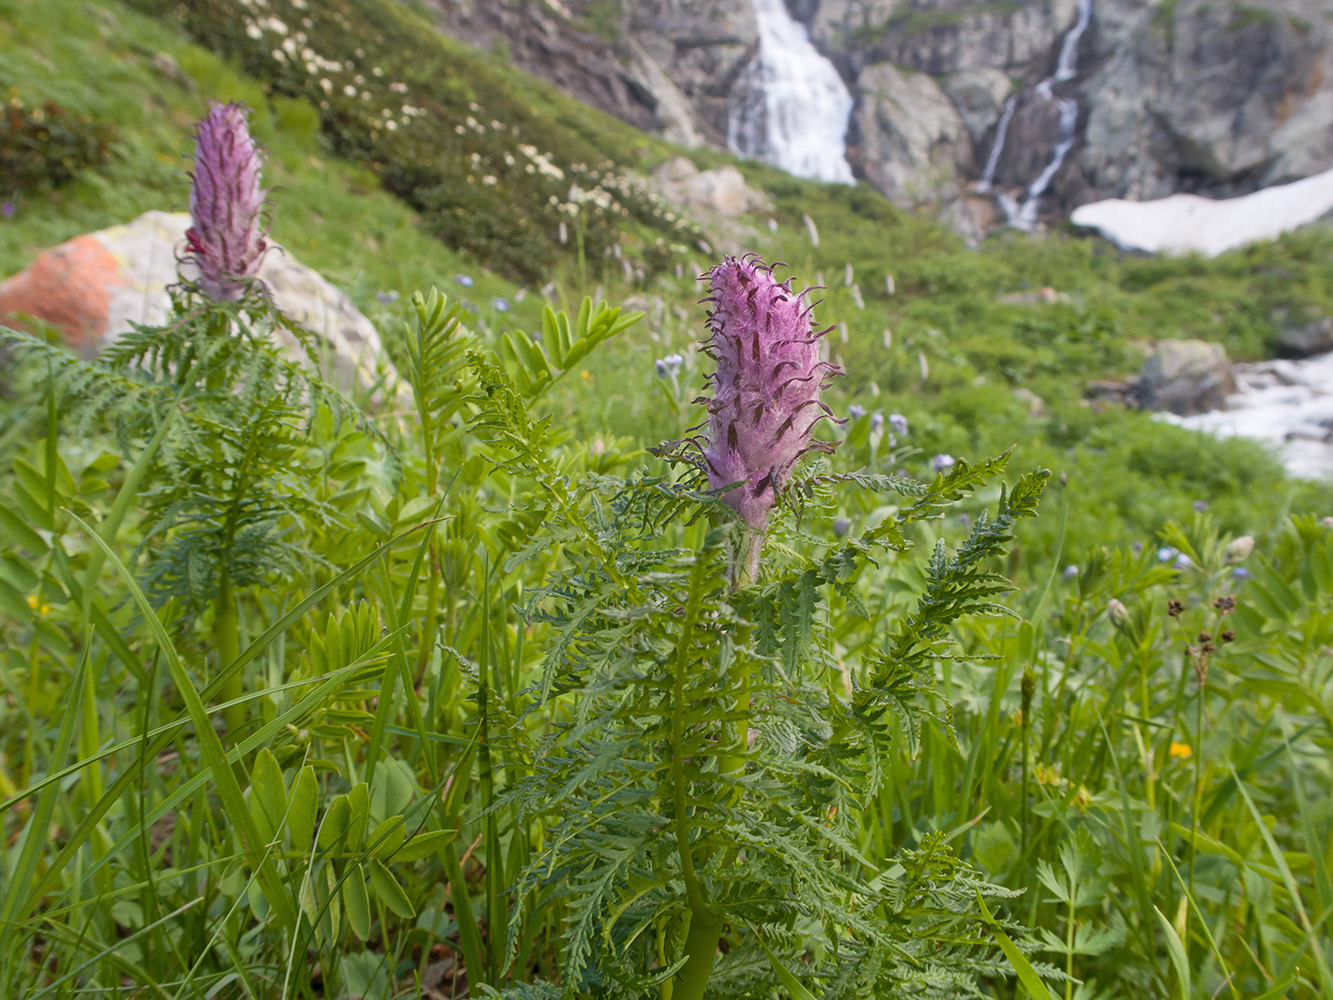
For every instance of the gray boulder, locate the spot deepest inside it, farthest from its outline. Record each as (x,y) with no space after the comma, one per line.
(93,287)
(1185,377)
(1302,341)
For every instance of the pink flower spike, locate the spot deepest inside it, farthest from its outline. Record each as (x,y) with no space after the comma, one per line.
(766,388)
(226,241)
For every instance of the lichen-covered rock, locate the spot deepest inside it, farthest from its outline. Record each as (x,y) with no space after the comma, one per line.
(94,286)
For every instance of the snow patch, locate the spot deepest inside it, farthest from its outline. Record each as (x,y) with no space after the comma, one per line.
(1187,223)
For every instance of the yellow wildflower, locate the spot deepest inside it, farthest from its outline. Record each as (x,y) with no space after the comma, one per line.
(1181,750)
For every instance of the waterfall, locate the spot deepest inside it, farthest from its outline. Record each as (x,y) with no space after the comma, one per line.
(1001,131)
(1067,65)
(794,108)
(1024,215)
(1027,215)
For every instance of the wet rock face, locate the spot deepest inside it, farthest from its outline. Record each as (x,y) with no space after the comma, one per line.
(1210,97)
(941,37)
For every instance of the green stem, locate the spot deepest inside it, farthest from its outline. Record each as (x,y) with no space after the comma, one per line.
(705,926)
(427,645)
(1197,799)
(701,947)
(1069,947)
(226,643)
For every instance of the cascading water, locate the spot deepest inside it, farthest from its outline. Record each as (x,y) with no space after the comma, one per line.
(1001,133)
(794,108)
(1024,215)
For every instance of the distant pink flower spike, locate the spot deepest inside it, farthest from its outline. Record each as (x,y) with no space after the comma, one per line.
(766,388)
(226,204)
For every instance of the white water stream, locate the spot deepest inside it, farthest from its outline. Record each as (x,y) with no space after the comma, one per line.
(1023,215)
(795,108)
(1287,405)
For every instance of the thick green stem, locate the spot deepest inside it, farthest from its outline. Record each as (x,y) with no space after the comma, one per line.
(227,645)
(700,949)
(705,926)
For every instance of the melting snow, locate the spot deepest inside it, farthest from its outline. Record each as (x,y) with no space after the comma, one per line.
(1185,223)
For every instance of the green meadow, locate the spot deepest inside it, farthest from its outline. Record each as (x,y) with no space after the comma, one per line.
(460,686)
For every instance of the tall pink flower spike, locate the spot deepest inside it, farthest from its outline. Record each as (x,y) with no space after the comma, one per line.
(766,387)
(226,204)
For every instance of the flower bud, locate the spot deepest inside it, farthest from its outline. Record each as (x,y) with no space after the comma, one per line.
(1239,549)
(1118,613)
(226,241)
(766,387)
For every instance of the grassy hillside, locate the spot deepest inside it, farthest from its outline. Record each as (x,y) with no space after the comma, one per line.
(455,171)
(335,756)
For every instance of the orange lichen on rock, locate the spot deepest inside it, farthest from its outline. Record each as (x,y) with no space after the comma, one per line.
(68,287)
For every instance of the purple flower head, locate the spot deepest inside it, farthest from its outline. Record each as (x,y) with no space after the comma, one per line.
(7,209)
(899,423)
(942,463)
(766,387)
(226,204)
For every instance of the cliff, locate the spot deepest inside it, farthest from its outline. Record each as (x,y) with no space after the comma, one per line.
(1093,99)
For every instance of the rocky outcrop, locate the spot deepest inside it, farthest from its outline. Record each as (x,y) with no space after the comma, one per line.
(666,66)
(908,137)
(1211,98)
(722,190)
(93,287)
